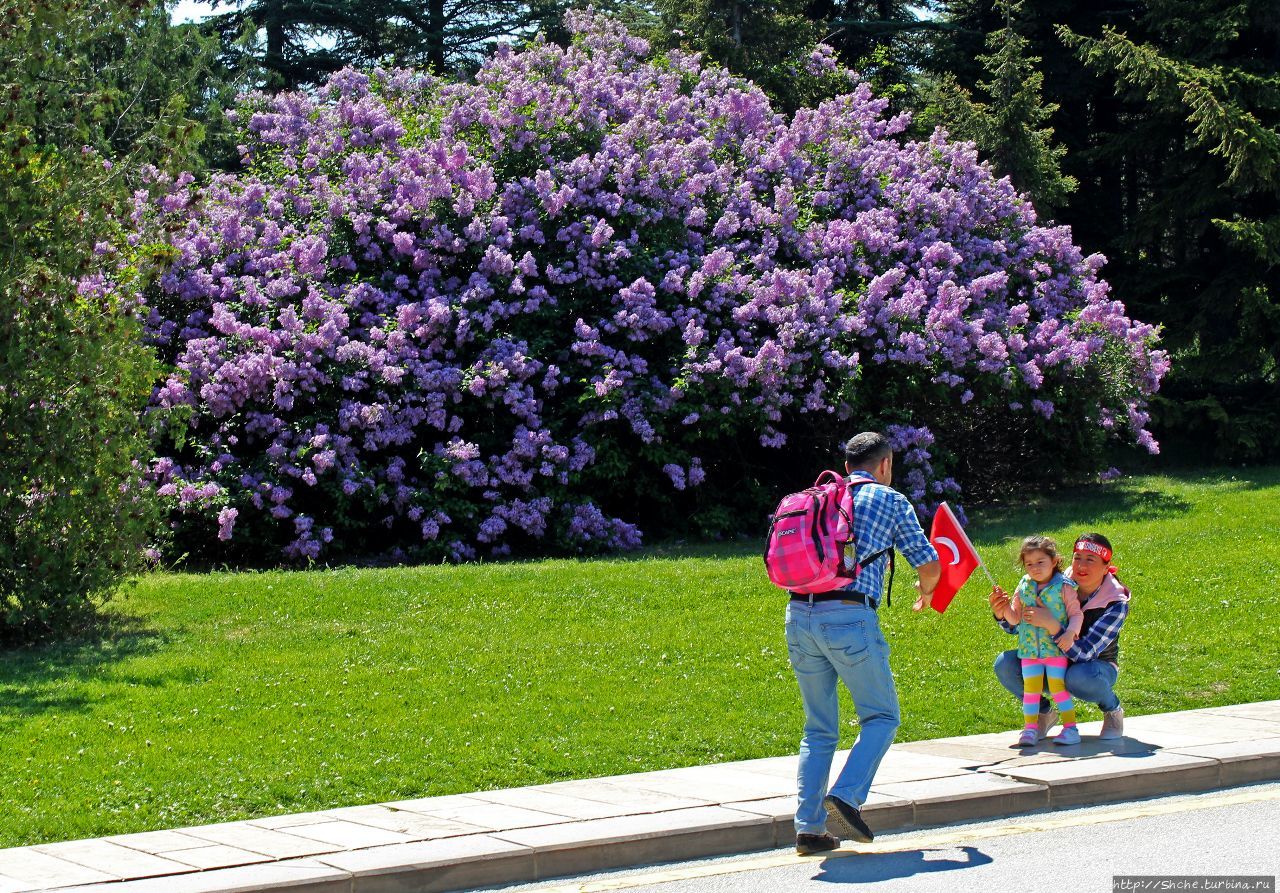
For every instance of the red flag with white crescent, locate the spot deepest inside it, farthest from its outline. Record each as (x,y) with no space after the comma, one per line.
(955,553)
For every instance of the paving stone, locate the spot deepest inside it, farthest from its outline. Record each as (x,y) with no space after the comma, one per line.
(1090,746)
(9,885)
(709,784)
(599,844)
(1241,762)
(1208,726)
(156,842)
(1152,738)
(957,798)
(782,767)
(546,800)
(1268,710)
(30,866)
(484,816)
(290,821)
(971,756)
(901,765)
(293,876)
(989,740)
(777,808)
(1103,779)
(415,825)
(768,784)
(456,863)
(112,859)
(349,835)
(430,804)
(276,844)
(215,855)
(632,799)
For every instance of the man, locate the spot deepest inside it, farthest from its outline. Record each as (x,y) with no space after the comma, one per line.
(836,636)
(1095,655)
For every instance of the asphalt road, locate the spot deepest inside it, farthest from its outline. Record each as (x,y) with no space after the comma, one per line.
(1234,832)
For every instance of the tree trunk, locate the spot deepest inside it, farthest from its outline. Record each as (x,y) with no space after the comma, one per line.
(435,40)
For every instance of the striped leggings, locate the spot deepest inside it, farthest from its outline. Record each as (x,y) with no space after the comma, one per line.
(1034,670)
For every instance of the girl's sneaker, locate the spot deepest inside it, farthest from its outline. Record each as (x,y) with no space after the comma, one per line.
(1028,738)
(1068,735)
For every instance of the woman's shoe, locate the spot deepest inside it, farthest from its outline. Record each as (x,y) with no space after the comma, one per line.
(1112,724)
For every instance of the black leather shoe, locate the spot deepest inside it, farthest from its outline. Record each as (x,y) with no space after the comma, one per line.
(808,844)
(847,820)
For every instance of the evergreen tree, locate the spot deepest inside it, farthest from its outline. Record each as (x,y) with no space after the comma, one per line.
(1201,250)
(297,42)
(763,42)
(1011,126)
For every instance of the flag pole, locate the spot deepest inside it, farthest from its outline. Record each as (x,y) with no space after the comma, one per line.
(982,564)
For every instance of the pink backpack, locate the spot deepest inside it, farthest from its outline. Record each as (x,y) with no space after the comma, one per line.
(808,534)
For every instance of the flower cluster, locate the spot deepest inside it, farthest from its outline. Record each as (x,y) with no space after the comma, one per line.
(463,317)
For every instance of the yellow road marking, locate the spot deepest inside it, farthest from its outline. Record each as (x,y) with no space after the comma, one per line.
(913,841)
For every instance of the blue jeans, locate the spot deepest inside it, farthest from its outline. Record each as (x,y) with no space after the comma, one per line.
(832,642)
(1089,680)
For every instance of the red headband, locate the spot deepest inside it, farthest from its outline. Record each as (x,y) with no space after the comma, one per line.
(1096,548)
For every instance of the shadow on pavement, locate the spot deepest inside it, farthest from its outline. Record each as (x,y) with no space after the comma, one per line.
(862,869)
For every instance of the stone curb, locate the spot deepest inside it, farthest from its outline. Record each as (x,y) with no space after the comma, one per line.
(501,837)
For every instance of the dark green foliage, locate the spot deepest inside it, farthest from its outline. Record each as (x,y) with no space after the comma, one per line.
(290,43)
(1168,112)
(82,81)
(1010,123)
(770,43)
(886,41)
(764,42)
(1198,137)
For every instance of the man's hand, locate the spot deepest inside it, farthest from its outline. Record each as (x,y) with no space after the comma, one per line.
(929,574)
(1041,617)
(999,601)
(922,599)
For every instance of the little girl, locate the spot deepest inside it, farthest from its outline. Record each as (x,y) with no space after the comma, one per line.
(1045,586)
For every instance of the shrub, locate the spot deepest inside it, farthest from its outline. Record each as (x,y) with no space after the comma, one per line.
(75,515)
(589,290)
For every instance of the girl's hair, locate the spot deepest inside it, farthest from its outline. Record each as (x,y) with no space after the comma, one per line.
(1043,544)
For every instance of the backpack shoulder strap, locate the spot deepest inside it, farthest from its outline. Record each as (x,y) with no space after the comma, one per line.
(866,562)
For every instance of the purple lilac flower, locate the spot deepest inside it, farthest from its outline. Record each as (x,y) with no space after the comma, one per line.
(422,295)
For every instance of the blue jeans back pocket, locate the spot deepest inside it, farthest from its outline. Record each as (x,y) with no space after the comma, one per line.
(846,641)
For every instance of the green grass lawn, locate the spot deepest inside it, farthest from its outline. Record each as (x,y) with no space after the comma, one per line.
(226,696)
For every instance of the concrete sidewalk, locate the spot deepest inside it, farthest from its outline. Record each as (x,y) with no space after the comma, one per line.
(577,827)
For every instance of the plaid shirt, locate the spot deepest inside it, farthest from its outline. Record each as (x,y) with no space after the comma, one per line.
(1101,633)
(883,518)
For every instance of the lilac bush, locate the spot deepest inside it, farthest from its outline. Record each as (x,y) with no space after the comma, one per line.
(456,319)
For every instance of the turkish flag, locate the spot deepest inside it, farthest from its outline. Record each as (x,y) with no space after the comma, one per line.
(955,553)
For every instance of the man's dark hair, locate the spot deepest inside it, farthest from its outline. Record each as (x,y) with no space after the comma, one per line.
(1094,538)
(866,448)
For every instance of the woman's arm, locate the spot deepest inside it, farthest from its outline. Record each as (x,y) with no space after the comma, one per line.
(1101,633)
